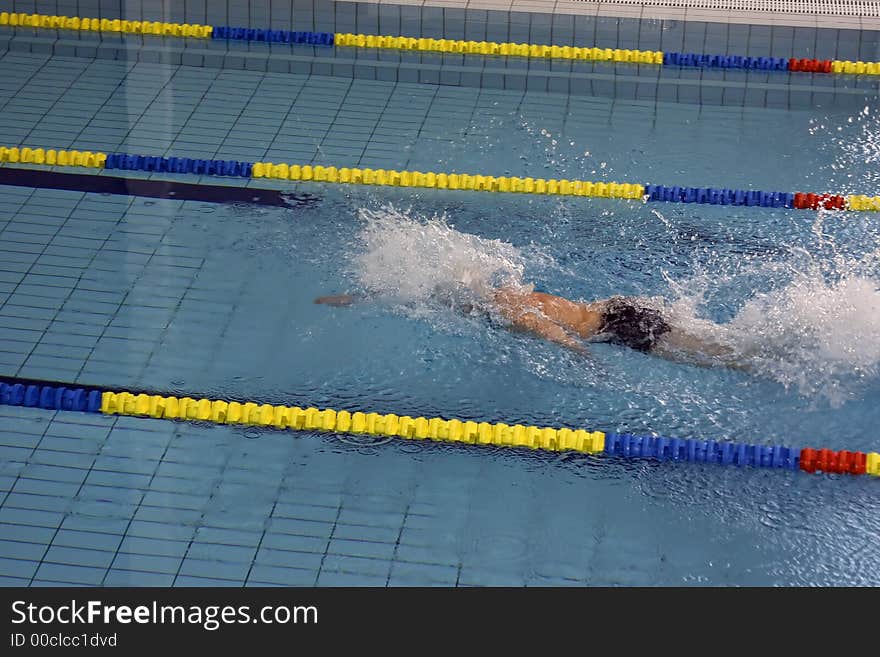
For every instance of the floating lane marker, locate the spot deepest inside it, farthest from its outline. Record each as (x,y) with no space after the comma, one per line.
(618,55)
(459,46)
(53,157)
(70,397)
(454,46)
(157,28)
(394,178)
(432,180)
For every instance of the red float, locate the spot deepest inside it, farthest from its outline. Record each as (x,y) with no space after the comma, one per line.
(810,65)
(809,201)
(825,460)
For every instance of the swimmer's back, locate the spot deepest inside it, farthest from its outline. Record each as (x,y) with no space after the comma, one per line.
(577,317)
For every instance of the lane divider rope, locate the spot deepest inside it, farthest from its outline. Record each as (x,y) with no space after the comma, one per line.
(432,180)
(70,397)
(158,28)
(456,46)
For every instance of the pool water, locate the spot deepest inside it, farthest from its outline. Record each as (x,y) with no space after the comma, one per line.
(217,300)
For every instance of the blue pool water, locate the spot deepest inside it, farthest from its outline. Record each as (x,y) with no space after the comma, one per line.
(217,299)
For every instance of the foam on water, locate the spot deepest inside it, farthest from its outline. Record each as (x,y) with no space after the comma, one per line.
(411,258)
(814,323)
(820,336)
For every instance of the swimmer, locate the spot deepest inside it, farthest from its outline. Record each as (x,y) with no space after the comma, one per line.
(629,321)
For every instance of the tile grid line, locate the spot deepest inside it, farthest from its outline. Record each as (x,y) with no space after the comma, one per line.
(287,116)
(17,272)
(61,91)
(195,120)
(397,540)
(49,543)
(67,513)
(158,96)
(98,71)
(339,106)
(358,97)
(330,535)
(72,211)
(186,125)
(472,122)
(231,133)
(222,334)
(153,113)
(255,558)
(149,487)
(25,80)
(146,264)
(106,324)
(158,342)
(110,238)
(297,125)
(200,522)
(388,101)
(73,287)
(134,513)
(18,473)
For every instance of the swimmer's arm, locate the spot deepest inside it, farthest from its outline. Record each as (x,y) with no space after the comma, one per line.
(337,300)
(686,348)
(549,330)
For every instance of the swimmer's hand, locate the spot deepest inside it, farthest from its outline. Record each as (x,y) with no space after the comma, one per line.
(571,343)
(578,347)
(337,300)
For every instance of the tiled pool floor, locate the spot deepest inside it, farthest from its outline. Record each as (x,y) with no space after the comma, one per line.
(92,500)
(91,286)
(201,112)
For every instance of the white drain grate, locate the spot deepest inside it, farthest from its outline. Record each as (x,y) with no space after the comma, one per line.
(838,8)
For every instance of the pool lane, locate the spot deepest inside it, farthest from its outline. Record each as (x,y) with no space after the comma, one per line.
(58,396)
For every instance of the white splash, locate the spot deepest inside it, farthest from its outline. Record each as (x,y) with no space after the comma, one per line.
(417,259)
(816,326)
